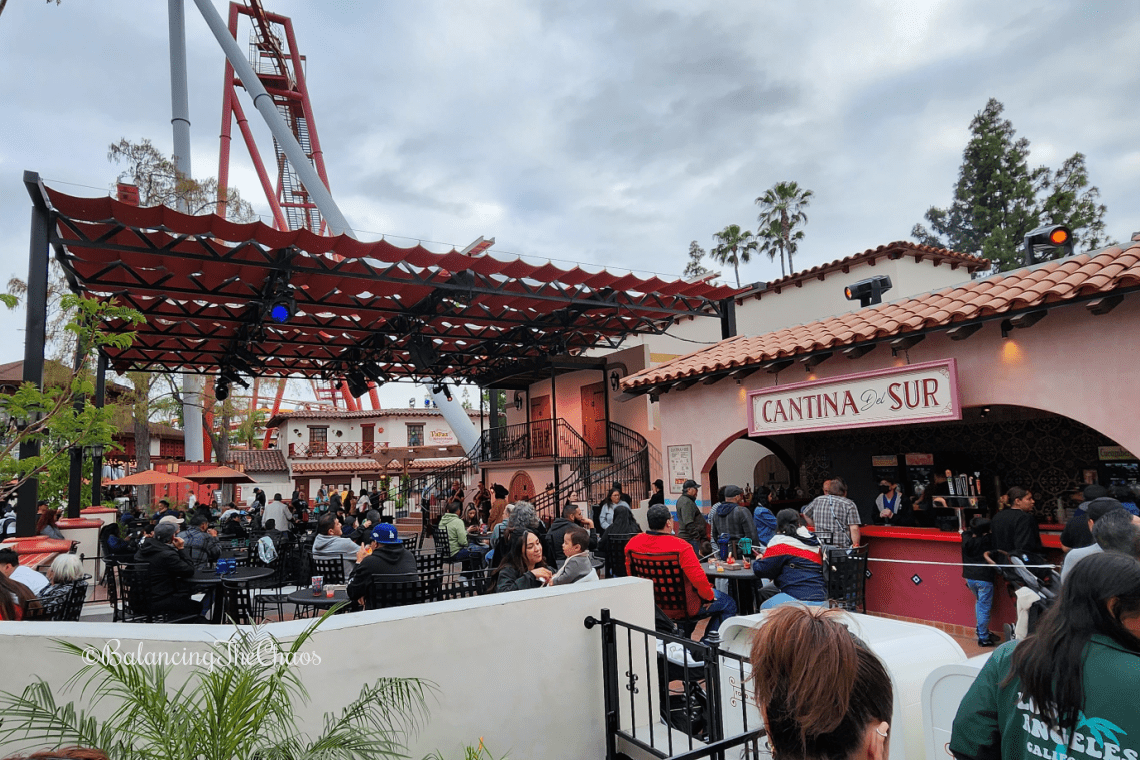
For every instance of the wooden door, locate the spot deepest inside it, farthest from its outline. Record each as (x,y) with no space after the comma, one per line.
(522,488)
(367,439)
(594,417)
(541,429)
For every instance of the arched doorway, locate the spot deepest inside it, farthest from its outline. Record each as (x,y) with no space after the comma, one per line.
(521,488)
(771,472)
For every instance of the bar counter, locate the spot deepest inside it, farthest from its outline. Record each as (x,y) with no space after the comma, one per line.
(906,589)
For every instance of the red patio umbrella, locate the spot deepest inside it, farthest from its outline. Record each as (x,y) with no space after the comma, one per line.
(150,478)
(221,475)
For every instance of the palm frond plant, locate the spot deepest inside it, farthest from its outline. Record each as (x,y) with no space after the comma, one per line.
(239,701)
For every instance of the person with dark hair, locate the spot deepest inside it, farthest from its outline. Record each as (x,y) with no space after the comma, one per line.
(979,570)
(1071,685)
(609,507)
(762,516)
(498,505)
(114,545)
(232,528)
(733,519)
(794,562)
(331,543)
(658,495)
(890,506)
(577,566)
(624,524)
(201,542)
(703,599)
(835,513)
(821,693)
(461,548)
(169,566)
(1015,532)
(274,535)
(1014,527)
(570,518)
(16,599)
(11,568)
(1114,529)
(523,566)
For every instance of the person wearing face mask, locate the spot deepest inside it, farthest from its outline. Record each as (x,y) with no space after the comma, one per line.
(889,504)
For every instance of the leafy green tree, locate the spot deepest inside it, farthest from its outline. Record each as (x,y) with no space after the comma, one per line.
(998,198)
(781,213)
(160,183)
(239,700)
(695,270)
(50,414)
(733,246)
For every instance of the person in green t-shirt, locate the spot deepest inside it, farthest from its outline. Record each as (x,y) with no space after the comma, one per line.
(1070,689)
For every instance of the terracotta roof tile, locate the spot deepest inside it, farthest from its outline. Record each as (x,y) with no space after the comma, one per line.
(1054,282)
(259,460)
(337,465)
(895,250)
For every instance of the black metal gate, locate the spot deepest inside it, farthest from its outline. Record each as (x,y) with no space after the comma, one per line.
(660,721)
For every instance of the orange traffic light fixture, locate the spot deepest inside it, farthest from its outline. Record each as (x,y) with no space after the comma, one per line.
(1041,243)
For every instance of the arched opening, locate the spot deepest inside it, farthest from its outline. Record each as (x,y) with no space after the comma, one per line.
(521,488)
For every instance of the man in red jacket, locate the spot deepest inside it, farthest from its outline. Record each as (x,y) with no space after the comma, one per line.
(710,603)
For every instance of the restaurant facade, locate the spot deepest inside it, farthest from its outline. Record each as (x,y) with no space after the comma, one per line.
(1019,379)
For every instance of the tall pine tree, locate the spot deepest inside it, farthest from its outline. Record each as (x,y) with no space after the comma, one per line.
(998,198)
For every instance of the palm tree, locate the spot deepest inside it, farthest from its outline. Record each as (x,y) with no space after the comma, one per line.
(734,246)
(240,703)
(781,211)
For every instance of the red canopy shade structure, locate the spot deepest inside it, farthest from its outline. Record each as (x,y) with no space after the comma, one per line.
(206,287)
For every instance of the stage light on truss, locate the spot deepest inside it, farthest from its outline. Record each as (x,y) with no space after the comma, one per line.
(373,372)
(282,307)
(423,354)
(442,388)
(222,389)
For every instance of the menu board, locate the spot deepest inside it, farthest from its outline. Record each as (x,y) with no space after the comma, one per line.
(680,467)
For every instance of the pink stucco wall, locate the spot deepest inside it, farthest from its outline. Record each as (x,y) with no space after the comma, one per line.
(1070,363)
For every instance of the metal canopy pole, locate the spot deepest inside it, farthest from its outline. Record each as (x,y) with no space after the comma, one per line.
(75,472)
(263,101)
(97,455)
(35,336)
(180,121)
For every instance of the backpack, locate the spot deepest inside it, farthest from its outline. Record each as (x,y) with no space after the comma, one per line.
(265,550)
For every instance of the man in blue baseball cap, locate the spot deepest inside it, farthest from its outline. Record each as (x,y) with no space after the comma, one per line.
(382,557)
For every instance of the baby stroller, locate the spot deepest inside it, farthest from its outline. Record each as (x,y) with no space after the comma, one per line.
(681,659)
(1043,581)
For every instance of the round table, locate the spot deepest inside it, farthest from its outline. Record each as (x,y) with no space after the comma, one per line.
(742,582)
(240,576)
(303,597)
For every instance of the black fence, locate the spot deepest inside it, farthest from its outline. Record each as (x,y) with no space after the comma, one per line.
(683,715)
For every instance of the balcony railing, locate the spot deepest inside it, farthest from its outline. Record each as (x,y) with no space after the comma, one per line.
(335,450)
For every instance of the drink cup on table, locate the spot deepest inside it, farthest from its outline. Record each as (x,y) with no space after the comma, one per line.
(318,584)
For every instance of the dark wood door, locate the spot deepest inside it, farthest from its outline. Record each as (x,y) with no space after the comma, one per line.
(367,439)
(594,417)
(541,437)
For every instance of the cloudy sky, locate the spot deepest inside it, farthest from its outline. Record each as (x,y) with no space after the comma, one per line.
(606,133)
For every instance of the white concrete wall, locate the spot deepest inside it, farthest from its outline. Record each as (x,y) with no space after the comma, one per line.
(737,463)
(387,429)
(534,692)
(813,299)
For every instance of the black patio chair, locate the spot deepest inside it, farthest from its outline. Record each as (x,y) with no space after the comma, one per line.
(331,568)
(269,593)
(614,554)
(237,605)
(847,578)
(135,597)
(383,594)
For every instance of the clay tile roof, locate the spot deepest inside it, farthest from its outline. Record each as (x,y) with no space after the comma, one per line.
(259,460)
(894,250)
(337,465)
(1086,275)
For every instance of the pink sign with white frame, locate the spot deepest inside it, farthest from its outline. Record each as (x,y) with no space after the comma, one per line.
(926,392)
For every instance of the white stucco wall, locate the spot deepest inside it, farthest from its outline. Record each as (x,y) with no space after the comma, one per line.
(389,429)
(736,464)
(536,691)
